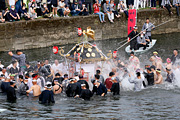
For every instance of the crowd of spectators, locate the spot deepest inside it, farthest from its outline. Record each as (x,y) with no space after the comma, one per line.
(15,10)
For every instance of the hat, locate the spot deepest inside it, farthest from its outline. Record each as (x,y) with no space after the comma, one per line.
(155,52)
(135,27)
(132,53)
(12,75)
(168,60)
(49,85)
(34,76)
(83,85)
(34,80)
(158,70)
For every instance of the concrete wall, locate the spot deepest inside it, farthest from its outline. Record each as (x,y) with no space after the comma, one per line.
(59,31)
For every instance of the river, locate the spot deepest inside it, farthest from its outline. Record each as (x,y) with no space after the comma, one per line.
(157,102)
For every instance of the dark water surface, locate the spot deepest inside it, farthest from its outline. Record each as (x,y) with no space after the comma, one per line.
(159,102)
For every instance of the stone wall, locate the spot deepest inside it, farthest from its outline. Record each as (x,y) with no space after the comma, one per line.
(58,31)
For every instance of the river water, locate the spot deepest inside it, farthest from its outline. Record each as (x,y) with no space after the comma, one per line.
(158,102)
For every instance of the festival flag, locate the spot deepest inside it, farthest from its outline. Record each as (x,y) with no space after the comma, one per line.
(131,19)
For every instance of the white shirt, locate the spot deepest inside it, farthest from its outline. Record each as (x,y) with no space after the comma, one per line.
(57,68)
(11,2)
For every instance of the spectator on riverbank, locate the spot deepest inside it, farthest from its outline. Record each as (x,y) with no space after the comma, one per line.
(24,13)
(45,11)
(66,11)
(61,8)
(113,8)
(75,9)
(108,11)
(97,11)
(166,4)
(2,20)
(176,4)
(84,10)
(13,13)
(122,8)
(54,6)
(32,11)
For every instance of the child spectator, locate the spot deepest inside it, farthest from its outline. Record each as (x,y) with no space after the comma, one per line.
(66,11)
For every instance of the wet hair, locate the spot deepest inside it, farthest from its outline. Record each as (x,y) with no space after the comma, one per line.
(149,69)
(138,74)
(21,76)
(57,74)
(98,71)
(81,76)
(176,50)
(27,62)
(18,51)
(97,76)
(13,62)
(147,18)
(132,53)
(65,75)
(93,81)
(111,73)
(153,67)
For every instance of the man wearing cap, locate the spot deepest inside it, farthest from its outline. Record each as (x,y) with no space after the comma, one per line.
(11,93)
(132,40)
(159,78)
(99,88)
(153,58)
(147,27)
(21,58)
(149,76)
(57,88)
(35,88)
(47,96)
(170,76)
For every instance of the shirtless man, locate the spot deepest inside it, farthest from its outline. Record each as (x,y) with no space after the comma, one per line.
(153,58)
(159,78)
(168,64)
(134,61)
(159,63)
(35,88)
(57,88)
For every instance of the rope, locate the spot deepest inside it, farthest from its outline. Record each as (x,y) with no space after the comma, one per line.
(140,32)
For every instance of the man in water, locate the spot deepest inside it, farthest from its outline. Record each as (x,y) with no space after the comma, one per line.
(72,89)
(5,84)
(82,81)
(35,88)
(21,58)
(175,56)
(137,81)
(115,89)
(147,27)
(149,76)
(47,96)
(132,40)
(23,86)
(170,76)
(85,94)
(108,81)
(65,82)
(57,88)
(46,71)
(159,77)
(141,41)
(99,88)
(101,79)
(11,93)
(134,61)
(153,58)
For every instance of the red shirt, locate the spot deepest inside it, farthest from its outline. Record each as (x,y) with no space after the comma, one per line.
(108,83)
(96,8)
